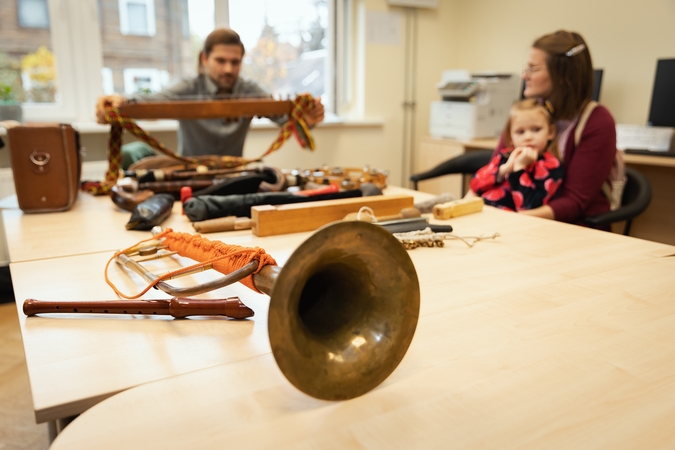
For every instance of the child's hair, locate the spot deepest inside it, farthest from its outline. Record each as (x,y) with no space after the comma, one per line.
(529,104)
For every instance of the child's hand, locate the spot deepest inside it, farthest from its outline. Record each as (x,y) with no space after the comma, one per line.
(507,167)
(524,158)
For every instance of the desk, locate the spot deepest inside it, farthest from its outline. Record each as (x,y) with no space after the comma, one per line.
(549,336)
(75,361)
(93,224)
(656,223)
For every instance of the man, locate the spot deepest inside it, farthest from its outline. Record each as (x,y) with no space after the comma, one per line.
(220,63)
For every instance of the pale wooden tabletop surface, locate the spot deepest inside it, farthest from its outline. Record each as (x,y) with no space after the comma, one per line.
(76,361)
(92,225)
(565,342)
(102,351)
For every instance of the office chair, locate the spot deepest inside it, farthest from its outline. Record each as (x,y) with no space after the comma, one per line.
(636,194)
(466,164)
(636,197)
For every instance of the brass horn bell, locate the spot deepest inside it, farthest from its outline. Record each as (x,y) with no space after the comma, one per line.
(343,310)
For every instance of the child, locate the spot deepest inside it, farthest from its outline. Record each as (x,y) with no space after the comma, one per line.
(527,173)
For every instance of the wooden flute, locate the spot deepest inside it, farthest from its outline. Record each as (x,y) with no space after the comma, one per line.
(177,307)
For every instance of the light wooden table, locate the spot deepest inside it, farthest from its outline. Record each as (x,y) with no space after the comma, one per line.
(657,222)
(531,375)
(52,260)
(94,224)
(75,362)
(551,336)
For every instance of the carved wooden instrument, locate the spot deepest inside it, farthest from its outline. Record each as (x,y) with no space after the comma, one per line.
(176,307)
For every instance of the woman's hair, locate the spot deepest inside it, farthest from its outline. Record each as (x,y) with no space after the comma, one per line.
(222,36)
(571,70)
(530,104)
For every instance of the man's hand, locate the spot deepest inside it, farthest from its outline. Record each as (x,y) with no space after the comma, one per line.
(315,115)
(114,100)
(7,124)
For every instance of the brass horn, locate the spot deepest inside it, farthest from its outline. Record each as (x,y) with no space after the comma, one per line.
(343,309)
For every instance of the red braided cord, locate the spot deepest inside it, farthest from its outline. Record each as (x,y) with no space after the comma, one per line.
(301,106)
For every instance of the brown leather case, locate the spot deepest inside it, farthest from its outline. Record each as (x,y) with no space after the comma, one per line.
(47,166)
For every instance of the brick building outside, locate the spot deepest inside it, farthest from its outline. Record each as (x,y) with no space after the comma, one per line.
(144,42)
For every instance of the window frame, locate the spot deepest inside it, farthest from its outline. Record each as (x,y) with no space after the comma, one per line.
(149,19)
(18,12)
(76,42)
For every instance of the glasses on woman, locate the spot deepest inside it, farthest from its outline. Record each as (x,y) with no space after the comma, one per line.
(528,70)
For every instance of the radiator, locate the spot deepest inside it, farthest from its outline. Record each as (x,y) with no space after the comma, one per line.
(91,171)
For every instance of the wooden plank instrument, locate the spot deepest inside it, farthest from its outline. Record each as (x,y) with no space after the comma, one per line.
(207,109)
(269,220)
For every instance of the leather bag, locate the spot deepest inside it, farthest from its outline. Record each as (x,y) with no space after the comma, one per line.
(47,166)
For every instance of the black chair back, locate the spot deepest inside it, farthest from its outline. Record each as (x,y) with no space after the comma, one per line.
(466,163)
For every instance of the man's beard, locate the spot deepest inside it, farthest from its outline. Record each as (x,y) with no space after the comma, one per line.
(226,81)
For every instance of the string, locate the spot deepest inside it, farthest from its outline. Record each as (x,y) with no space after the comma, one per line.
(222,257)
(296,125)
(366,209)
(426,237)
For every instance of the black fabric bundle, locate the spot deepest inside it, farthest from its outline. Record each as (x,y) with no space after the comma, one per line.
(151,212)
(206,207)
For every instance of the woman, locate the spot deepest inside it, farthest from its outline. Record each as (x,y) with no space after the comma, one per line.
(559,69)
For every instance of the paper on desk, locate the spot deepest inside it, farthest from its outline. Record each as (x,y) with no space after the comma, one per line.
(640,137)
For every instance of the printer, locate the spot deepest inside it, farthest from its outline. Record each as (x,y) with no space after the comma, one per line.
(474,105)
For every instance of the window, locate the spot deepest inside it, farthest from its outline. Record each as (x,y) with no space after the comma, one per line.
(90,47)
(27,64)
(33,14)
(144,81)
(134,63)
(137,17)
(286,44)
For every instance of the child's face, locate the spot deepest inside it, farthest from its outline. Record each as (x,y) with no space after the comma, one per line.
(531,129)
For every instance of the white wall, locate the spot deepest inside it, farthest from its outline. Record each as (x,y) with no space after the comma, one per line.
(625,37)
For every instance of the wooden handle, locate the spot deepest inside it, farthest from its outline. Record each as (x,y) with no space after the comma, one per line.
(229,223)
(458,208)
(406,213)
